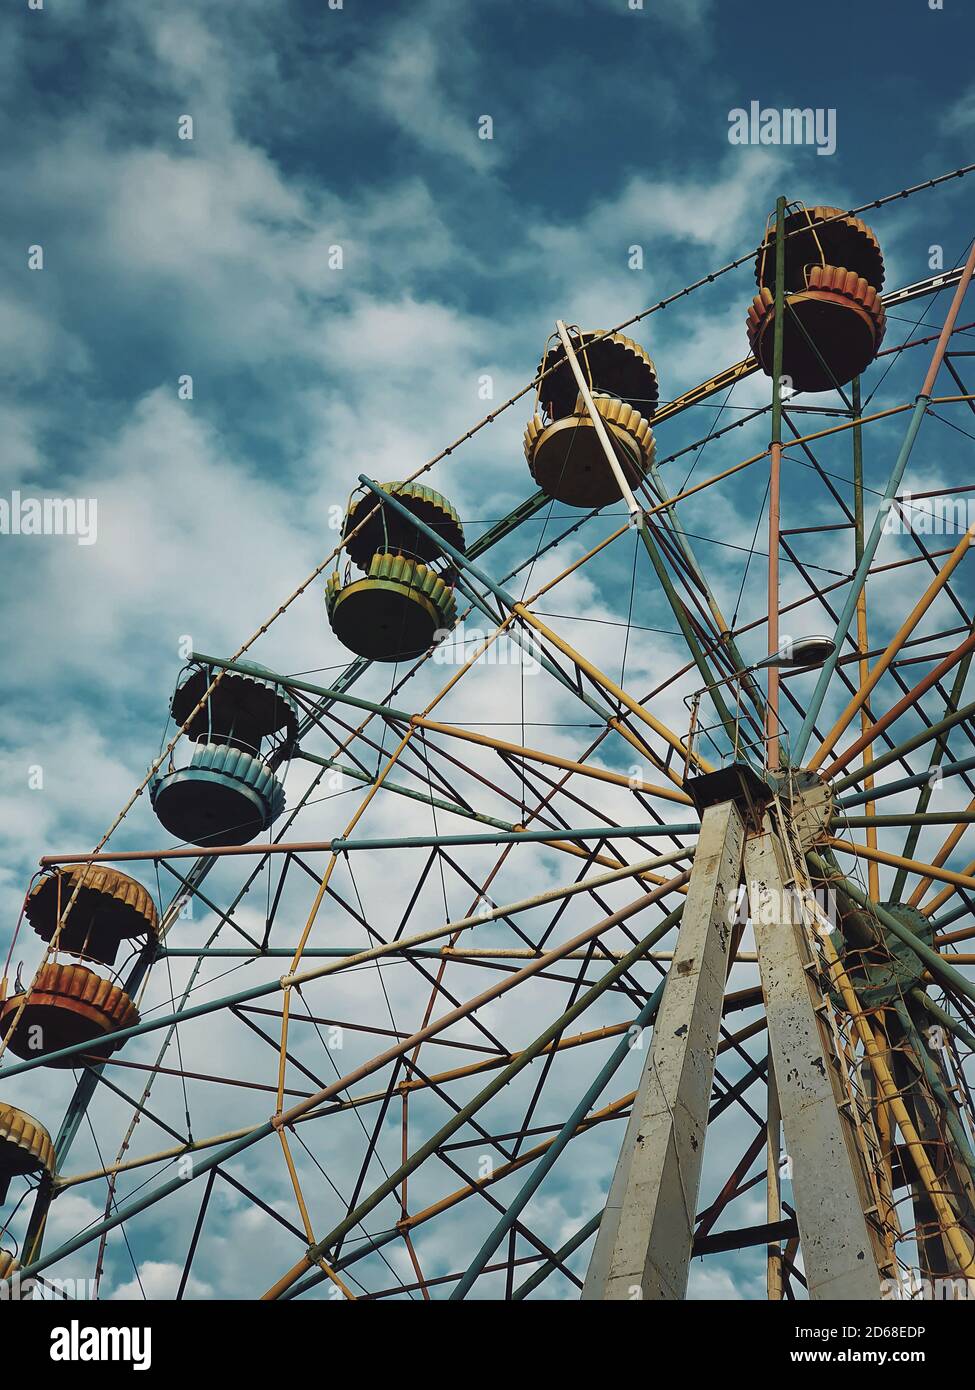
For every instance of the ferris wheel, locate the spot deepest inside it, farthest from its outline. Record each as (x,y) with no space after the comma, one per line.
(599,929)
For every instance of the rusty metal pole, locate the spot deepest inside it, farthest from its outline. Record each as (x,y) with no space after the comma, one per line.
(775,471)
(877,531)
(866,718)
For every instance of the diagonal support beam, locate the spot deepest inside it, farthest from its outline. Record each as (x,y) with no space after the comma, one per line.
(877,530)
(646,1233)
(638,520)
(520,610)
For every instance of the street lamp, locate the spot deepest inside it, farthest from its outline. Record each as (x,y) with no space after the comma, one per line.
(795,653)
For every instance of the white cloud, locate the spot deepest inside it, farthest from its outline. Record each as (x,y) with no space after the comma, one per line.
(157,1280)
(404,76)
(960,116)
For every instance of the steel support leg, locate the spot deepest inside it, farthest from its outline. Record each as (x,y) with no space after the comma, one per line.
(643,1248)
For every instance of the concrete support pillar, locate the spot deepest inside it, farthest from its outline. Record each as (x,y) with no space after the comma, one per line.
(643,1248)
(839,1242)
(773,1207)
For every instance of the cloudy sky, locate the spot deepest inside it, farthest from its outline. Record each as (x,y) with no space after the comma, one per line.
(351,276)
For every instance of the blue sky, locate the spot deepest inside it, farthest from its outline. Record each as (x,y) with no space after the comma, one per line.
(358,127)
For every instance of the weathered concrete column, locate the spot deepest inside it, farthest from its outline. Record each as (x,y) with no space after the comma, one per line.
(840,1243)
(643,1247)
(773,1201)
